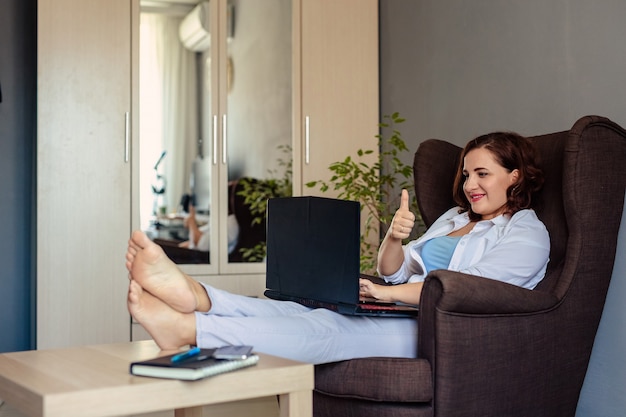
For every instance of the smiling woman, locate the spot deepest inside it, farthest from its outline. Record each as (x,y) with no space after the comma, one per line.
(494,185)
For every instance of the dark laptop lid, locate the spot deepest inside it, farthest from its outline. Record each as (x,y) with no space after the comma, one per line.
(313,248)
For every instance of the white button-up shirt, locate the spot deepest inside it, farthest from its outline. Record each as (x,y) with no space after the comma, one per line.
(510,249)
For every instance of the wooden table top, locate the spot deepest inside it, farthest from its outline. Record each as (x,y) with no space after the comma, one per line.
(94,381)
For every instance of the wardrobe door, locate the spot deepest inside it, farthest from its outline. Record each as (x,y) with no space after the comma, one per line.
(256,105)
(83,170)
(339,84)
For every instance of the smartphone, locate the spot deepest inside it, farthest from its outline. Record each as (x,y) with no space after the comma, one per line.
(232,352)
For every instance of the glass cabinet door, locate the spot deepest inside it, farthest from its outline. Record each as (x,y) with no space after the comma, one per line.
(256,77)
(231,149)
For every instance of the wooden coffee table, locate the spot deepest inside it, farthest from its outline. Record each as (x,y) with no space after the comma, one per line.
(93,381)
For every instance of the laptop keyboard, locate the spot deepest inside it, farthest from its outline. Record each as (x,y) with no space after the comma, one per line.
(377,306)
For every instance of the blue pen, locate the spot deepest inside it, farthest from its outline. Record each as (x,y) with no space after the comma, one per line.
(186,355)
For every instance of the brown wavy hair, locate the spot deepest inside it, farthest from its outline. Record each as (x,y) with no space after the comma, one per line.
(510,151)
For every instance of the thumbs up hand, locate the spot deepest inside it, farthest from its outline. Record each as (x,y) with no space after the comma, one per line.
(404,220)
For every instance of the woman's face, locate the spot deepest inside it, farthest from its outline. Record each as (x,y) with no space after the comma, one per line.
(486,183)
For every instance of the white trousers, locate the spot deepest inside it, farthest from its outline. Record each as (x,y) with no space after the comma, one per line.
(293,331)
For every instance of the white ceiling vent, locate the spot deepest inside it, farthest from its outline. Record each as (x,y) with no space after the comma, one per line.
(194,29)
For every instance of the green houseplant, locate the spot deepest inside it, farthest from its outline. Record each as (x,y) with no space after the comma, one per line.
(376,186)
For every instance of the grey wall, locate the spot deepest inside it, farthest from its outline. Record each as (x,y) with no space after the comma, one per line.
(456,69)
(459,68)
(17,138)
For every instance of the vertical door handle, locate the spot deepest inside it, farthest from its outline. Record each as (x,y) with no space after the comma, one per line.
(214,139)
(126,136)
(307,141)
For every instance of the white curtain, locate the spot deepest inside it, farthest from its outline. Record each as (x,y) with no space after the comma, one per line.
(168,110)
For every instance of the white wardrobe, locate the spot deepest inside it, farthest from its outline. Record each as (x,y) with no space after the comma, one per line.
(87,124)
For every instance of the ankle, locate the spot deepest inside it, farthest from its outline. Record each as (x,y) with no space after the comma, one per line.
(188,329)
(203,302)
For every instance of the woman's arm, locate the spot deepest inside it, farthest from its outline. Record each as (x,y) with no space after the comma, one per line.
(405,293)
(391,253)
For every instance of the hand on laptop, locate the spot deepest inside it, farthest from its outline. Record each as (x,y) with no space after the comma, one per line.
(368,289)
(407,293)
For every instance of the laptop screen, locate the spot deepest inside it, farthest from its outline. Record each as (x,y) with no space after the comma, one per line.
(313,248)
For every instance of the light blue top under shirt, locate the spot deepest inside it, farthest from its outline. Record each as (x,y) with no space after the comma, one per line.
(437,252)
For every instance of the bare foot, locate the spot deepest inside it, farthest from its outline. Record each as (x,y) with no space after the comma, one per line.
(157,274)
(169,328)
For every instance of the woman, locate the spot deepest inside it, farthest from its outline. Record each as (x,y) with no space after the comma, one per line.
(492,233)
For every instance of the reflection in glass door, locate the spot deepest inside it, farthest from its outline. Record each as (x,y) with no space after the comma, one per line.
(168,132)
(216,129)
(257,78)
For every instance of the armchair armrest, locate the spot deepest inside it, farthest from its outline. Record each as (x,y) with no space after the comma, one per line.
(489,337)
(456,292)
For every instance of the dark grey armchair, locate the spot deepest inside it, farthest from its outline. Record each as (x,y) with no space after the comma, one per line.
(487,348)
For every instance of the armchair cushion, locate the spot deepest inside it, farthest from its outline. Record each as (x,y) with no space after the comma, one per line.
(353,379)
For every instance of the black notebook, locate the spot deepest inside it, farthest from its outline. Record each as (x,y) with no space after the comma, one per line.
(313,256)
(197,367)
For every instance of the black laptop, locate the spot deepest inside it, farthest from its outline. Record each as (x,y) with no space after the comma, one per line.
(313,256)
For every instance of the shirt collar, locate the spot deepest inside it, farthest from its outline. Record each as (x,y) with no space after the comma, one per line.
(462,219)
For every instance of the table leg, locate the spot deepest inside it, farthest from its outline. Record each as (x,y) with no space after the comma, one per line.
(188,412)
(296,404)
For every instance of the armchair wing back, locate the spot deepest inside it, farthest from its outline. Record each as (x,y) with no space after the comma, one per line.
(486,348)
